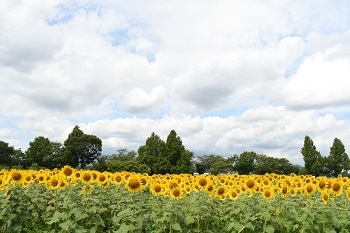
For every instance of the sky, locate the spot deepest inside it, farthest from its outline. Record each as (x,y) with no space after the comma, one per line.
(227,76)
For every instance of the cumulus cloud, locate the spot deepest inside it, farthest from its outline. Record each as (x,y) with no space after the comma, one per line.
(139,101)
(122,72)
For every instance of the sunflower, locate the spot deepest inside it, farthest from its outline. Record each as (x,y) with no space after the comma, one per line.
(267,193)
(117,178)
(67,171)
(176,193)
(16,177)
(202,182)
(134,183)
(309,189)
(325,197)
(53,183)
(251,185)
(348,193)
(157,189)
(322,184)
(337,187)
(86,177)
(284,191)
(233,193)
(187,189)
(221,192)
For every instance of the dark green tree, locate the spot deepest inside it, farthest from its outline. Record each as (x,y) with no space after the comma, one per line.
(245,163)
(179,158)
(153,154)
(214,164)
(312,158)
(338,160)
(266,164)
(7,154)
(81,149)
(44,153)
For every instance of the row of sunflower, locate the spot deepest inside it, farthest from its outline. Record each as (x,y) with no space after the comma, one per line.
(178,186)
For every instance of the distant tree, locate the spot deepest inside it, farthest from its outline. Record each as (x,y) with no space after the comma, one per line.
(179,158)
(153,154)
(245,163)
(266,164)
(123,154)
(312,158)
(44,153)
(81,149)
(213,164)
(7,154)
(338,160)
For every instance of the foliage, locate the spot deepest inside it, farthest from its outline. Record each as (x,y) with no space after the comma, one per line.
(338,160)
(165,157)
(81,149)
(7,154)
(45,153)
(245,163)
(312,157)
(129,202)
(213,164)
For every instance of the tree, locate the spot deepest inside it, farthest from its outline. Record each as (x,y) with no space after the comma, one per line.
(153,154)
(44,153)
(179,158)
(338,160)
(266,164)
(312,158)
(123,154)
(7,154)
(81,149)
(213,164)
(245,162)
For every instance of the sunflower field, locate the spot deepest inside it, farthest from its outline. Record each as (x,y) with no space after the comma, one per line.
(70,200)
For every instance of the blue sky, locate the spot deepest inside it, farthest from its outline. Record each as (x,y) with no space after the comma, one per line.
(227,76)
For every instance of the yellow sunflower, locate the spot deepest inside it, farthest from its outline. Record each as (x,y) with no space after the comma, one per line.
(157,188)
(202,182)
(233,193)
(267,193)
(134,183)
(221,192)
(67,171)
(337,187)
(16,177)
(325,197)
(176,193)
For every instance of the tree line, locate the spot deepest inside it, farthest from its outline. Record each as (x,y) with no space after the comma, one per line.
(157,156)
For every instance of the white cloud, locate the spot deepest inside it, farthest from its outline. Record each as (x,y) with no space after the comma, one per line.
(183,65)
(139,101)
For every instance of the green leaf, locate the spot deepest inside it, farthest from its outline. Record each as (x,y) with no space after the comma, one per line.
(66,225)
(176,226)
(269,229)
(189,220)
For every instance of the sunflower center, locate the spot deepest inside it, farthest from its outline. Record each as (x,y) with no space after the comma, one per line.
(202,182)
(210,188)
(250,183)
(16,176)
(284,190)
(157,189)
(102,178)
(54,183)
(309,189)
(28,178)
(234,194)
(336,187)
(322,184)
(68,171)
(87,177)
(118,178)
(221,191)
(267,193)
(134,183)
(176,193)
